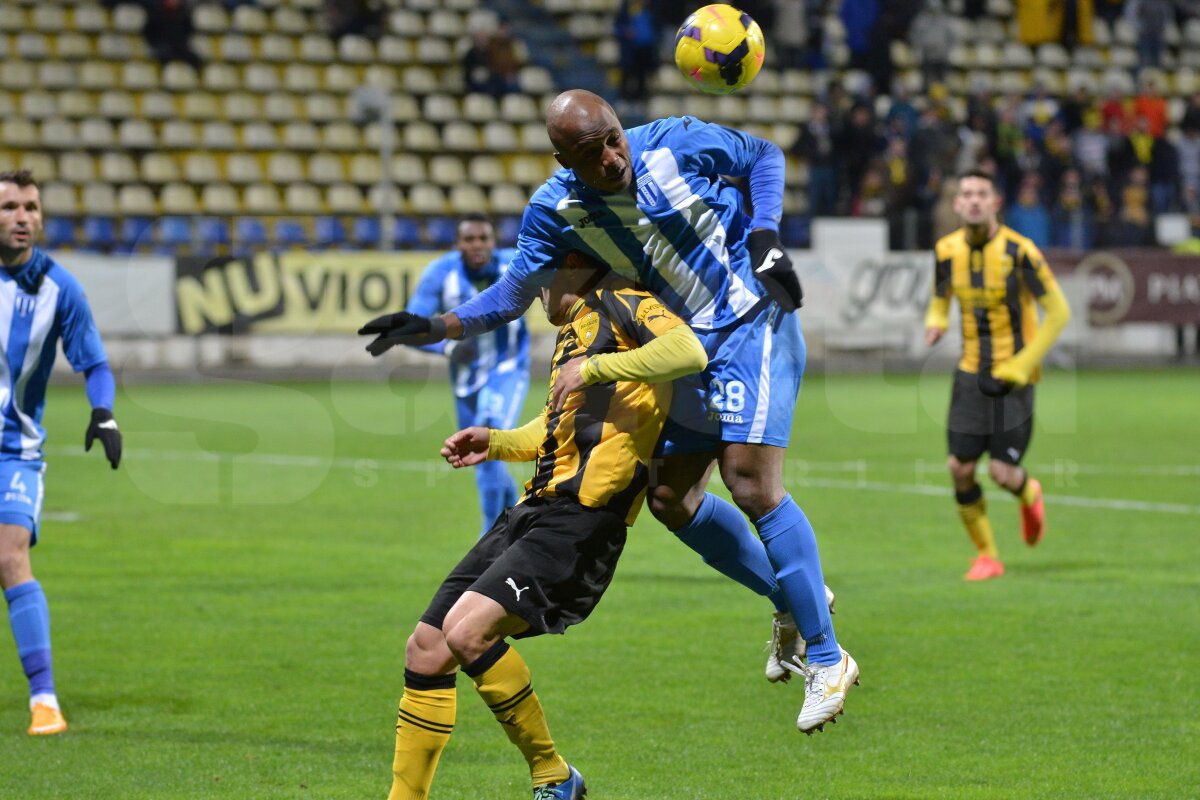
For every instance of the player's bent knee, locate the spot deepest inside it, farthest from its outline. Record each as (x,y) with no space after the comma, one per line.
(669,507)
(754,499)
(426,651)
(960,470)
(1002,473)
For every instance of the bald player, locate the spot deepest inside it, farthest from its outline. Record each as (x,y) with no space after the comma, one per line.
(652,203)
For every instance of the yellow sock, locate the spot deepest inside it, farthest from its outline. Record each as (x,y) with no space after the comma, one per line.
(1028,495)
(502,680)
(973,510)
(423,727)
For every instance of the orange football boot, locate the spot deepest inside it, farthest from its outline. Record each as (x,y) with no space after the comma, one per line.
(1033,517)
(984,567)
(47,720)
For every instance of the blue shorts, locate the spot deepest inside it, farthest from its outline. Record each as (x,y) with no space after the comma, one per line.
(497,404)
(746,394)
(21,503)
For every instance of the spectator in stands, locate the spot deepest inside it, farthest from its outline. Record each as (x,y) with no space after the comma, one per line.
(503,60)
(871,198)
(1191,114)
(1037,112)
(1008,138)
(903,111)
(932,36)
(1056,157)
(1116,107)
(1150,19)
(354,18)
(1027,162)
(1118,157)
(900,194)
(1090,146)
(1110,10)
(477,67)
(1073,108)
(815,146)
(1071,218)
(934,145)
(790,33)
(857,147)
(945,218)
(1028,216)
(973,144)
(1164,176)
(1100,201)
(168,31)
(1151,106)
(638,32)
(1188,149)
(1135,209)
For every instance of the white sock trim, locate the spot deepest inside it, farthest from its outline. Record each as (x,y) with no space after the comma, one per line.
(43,699)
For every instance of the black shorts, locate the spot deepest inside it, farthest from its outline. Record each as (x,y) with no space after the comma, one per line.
(546,561)
(999,426)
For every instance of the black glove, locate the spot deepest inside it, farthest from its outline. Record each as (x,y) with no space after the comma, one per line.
(991,386)
(462,351)
(402,328)
(104,428)
(774,270)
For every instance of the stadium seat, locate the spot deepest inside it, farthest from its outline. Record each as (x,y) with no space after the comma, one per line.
(340,78)
(250,19)
(447,170)
(211,233)
(485,170)
(328,231)
(466,198)
(57,133)
(506,198)
(42,165)
(17,75)
(341,136)
(243,168)
(217,76)
(236,48)
(141,76)
(325,169)
(284,167)
(59,232)
(366,169)
(518,108)
(437,52)
(75,104)
(499,137)
(321,107)
(173,231)
(262,198)
(135,200)
(426,198)
(178,77)
(158,106)
(354,49)
(259,136)
(506,230)
(77,168)
(136,134)
(301,136)
(96,133)
(277,49)
(136,231)
(89,18)
(57,75)
(118,167)
(395,51)
(421,137)
(407,232)
(200,106)
(179,133)
(99,233)
(301,78)
(281,108)
(179,198)
(441,231)
(302,199)
(219,198)
(534,138)
(365,231)
(290,232)
(402,22)
(261,78)
(316,49)
(291,21)
(98,198)
(32,46)
(250,234)
(440,108)
(119,47)
(343,198)
(407,169)
(419,80)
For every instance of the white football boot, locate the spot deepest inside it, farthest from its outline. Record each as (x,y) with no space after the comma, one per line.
(825,690)
(786,642)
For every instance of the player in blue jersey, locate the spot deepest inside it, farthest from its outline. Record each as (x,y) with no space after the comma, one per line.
(489,373)
(651,202)
(40,303)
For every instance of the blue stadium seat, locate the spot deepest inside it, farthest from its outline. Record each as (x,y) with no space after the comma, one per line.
(441,231)
(290,232)
(250,234)
(506,231)
(329,231)
(796,231)
(135,233)
(172,232)
(407,232)
(60,232)
(212,231)
(99,233)
(366,231)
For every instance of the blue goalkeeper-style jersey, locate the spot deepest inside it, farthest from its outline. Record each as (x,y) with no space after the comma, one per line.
(680,229)
(30,327)
(447,283)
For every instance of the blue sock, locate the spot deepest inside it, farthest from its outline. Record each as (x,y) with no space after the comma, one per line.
(722,537)
(496,491)
(30,619)
(792,548)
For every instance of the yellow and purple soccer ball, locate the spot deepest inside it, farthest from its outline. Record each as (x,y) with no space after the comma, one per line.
(719,49)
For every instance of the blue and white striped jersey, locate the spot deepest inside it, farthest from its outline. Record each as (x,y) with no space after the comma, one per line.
(30,327)
(680,230)
(447,283)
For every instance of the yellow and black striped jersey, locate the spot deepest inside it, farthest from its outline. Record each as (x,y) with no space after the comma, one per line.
(597,449)
(997,284)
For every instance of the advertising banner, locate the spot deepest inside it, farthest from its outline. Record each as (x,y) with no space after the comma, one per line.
(1135,285)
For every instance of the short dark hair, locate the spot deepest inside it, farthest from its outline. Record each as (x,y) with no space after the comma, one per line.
(475,216)
(21,177)
(978,173)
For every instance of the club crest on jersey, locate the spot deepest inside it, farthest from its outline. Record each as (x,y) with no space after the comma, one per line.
(25,303)
(587,328)
(648,193)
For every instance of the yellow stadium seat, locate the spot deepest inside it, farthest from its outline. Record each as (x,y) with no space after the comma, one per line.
(262,78)
(354,49)
(136,134)
(59,199)
(405,107)
(48,18)
(118,47)
(243,168)
(518,108)
(301,136)
(343,198)
(42,165)
(236,48)
(262,198)
(403,22)
(420,80)
(440,108)
(341,78)
(407,169)
(12,18)
(18,132)
(159,168)
(17,75)
(535,139)
(325,169)
(179,133)
(302,198)
(434,51)
(32,46)
(220,199)
(99,199)
(157,106)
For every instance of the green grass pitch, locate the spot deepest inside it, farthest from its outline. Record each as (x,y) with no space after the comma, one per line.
(229,609)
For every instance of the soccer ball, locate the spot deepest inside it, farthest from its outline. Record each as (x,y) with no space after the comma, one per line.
(719,49)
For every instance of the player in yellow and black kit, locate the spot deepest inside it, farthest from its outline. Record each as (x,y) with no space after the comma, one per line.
(547,561)
(999,278)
